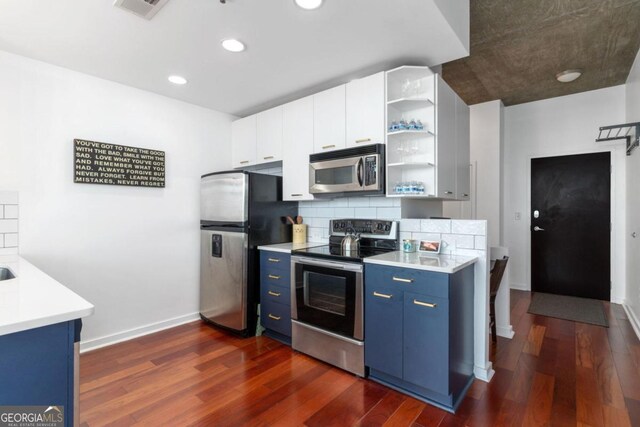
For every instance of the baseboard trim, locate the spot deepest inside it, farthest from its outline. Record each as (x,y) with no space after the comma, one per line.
(505,331)
(484,374)
(519,286)
(633,319)
(96,343)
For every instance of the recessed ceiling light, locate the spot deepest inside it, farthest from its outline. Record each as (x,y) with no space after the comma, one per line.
(568,75)
(309,4)
(177,80)
(233,45)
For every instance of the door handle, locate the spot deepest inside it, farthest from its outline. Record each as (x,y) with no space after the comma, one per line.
(274,294)
(536,228)
(360,172)
(271,276)
(400,279)
(358,141)
(271,316)
(425,304)
(377,294)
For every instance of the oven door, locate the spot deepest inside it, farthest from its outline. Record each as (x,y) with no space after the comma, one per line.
(328,295)
(336,176)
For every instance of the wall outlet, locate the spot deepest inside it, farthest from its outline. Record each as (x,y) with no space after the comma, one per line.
(518,216)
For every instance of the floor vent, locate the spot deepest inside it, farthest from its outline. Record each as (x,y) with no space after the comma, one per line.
(143,8)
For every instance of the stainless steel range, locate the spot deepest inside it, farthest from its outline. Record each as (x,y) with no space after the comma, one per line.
(327,295)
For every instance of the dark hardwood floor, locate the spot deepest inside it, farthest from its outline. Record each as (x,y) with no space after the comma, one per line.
(553,372)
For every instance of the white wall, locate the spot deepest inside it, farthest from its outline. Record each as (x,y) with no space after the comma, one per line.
(132,252)
(633,200)
(553,127)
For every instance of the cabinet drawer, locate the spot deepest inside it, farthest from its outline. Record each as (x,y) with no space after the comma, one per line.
(275,277)
(272,292)
(412,280)
(275,262)
(276,317)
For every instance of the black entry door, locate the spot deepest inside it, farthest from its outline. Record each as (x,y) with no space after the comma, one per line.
(570,225)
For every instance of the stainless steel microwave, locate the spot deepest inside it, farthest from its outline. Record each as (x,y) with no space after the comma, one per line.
(352,170)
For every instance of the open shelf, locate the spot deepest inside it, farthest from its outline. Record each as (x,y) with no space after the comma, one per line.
(410,132)
(404,105)
(410,164)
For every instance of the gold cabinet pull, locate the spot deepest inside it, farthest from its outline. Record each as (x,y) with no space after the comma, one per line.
(424,304)
(274,259)
(244,162)
(400,279)
(271,316)
(274,294)
(324,147)
(358,141)
(268,157)
(271,276)
(377,294)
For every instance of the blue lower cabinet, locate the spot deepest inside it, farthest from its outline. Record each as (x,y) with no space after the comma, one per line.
(419,332)
(383,328)
(275,295)
(37,368)
(426,342)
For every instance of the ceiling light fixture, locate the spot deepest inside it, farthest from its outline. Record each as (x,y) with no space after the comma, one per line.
(568,75)
(233,45)
(177,80)
(309,4)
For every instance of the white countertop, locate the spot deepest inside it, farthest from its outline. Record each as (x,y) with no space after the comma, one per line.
(33,299)
(288,247)
(421,261)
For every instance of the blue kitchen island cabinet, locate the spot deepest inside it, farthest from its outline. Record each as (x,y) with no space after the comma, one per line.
(275,295)
(37,367)
(419,331)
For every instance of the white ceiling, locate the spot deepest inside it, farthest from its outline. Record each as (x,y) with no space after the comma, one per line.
(290,52)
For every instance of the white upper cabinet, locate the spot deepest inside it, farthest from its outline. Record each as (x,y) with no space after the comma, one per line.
(269,135)
(297,146)
(446,167)
(463,155)
(365,111)
(329,119)
(243,142)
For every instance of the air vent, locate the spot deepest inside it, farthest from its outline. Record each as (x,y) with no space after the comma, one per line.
(143,8)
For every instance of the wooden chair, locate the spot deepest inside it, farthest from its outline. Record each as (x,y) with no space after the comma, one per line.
(496,277)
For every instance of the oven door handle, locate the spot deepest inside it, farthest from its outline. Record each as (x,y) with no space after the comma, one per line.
(328,264)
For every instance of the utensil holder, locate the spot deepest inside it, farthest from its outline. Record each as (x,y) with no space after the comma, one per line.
(299,233)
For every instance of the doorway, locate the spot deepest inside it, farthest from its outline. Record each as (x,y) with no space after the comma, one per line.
(571,225)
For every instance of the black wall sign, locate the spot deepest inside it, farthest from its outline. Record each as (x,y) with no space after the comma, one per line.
(100,163)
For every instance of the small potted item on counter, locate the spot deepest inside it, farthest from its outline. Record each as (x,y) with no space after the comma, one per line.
(409,245)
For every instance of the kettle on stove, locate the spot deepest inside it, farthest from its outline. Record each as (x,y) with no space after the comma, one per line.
(350,242)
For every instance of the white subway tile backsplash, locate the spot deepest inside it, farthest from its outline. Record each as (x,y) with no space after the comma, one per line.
(464,241)
(1,211)
(406,235)
(359,202)
(342,202)
(435,226)
(8,251)
(475,227)
(412,225)
(481,242)
(426,236)
(381,202)
(8,197)
(11,211)
(307,212)
(325,213)
(344,212)
(365,212)
(388,213)
(11,240)
(9,226)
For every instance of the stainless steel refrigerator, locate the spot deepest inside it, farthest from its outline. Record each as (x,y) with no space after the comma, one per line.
(238,212)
